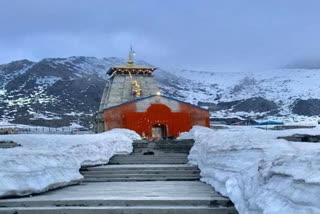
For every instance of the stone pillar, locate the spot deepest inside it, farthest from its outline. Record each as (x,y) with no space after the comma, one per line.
(98,122)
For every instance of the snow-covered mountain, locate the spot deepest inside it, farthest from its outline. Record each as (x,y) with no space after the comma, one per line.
(59,91)
(54,92)
(289,95)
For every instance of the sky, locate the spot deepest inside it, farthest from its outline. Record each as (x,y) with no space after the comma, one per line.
(202,34)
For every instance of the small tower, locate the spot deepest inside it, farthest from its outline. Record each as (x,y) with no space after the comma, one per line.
(126,83)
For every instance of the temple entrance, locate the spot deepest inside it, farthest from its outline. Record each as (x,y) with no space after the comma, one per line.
(157,122)
(159,131)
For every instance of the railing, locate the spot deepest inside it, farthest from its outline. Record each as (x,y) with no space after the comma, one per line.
(44,130)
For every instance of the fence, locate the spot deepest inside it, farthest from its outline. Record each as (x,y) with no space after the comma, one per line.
(44,130)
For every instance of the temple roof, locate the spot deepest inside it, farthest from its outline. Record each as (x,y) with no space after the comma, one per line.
(131,67)
(148,97)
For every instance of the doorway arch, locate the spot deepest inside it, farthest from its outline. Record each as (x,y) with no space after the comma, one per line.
(159,131)
(173,123)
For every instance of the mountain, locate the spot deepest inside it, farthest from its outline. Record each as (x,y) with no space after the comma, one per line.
(60,91)
(289,95)
(306,63)
(54,92)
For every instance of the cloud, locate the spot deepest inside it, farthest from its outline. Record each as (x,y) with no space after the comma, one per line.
(36,46)
(201,34)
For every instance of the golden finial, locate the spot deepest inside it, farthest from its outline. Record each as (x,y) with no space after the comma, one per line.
(131,55)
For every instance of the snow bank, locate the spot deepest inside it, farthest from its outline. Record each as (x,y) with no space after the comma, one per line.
(257,171)
(49,161)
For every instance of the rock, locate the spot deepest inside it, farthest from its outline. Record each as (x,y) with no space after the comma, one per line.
(8,144)
(244,84)
(232,121)
(220,106)
(286,127)
(15,66)
(255,104)
(310,107)
(302,138)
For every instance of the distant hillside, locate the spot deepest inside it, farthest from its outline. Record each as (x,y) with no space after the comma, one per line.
(304,64)
(55,92)
(60,91)
(289,95)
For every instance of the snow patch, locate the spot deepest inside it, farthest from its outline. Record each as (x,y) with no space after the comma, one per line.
(48,80)
(49,161)
(257,171)
(37,116)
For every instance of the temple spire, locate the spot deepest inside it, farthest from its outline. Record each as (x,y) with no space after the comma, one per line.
(131,55)
(130,67)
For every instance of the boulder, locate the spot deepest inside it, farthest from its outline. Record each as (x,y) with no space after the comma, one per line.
(255,104)
(309,107)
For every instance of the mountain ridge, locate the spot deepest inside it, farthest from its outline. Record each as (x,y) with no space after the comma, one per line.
(60,91)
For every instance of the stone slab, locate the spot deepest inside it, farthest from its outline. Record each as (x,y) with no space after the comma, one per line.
(124,191)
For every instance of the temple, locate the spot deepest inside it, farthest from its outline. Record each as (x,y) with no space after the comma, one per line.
(128,82)
(132,100)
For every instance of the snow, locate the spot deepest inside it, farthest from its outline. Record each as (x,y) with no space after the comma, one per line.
(75,114)
(42,116)
(49,161)
(88,65)
(48,80)
(257,171)
(21,128)
(283,86)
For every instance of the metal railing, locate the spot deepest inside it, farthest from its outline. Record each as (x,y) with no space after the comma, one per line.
(44,130)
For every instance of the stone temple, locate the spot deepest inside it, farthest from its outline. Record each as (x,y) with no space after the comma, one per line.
(132,100)
(128,82)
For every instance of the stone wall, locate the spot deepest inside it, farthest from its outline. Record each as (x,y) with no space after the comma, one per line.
(119,89)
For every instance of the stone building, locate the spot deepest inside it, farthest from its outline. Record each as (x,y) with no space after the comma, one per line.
(132,100)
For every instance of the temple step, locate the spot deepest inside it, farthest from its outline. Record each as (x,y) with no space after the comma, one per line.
(143,172)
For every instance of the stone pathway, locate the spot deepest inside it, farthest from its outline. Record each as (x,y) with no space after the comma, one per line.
(149,185)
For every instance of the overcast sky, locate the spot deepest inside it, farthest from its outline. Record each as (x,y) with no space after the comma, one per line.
(202,34)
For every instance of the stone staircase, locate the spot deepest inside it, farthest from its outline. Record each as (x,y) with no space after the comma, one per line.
(154,179)
(156,152)
(150,161)
(143,172)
